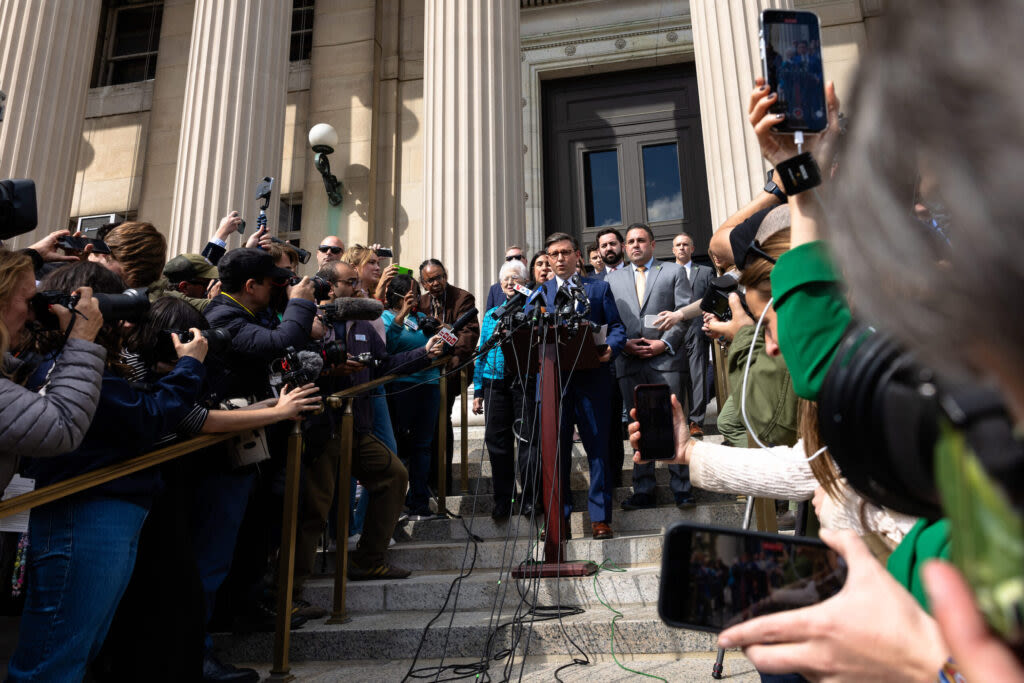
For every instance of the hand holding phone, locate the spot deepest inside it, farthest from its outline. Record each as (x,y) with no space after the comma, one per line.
(715,577)
(653,405)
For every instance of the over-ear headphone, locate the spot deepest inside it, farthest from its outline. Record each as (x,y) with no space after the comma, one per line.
(879,413)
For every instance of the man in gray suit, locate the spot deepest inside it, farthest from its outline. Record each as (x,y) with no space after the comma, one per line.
(646,287)
(698,346)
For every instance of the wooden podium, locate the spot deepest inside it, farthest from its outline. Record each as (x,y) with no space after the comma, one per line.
(559,349)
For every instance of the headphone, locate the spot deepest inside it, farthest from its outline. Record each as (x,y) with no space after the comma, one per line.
(880,412)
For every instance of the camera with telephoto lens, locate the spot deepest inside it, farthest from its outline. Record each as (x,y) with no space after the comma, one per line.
(129,306)
(218,339)
(321,287)
(334,353)
(716,299)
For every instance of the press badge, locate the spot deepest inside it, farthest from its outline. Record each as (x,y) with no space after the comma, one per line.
(412,324)
(360,337)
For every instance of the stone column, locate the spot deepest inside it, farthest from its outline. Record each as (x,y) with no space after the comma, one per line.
(728,59)
(46,53)
(232,129)
(473,173)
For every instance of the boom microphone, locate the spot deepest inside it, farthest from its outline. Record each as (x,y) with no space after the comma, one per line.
(352,308)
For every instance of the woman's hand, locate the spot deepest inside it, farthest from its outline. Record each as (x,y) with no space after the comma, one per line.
(292,402)
(408,303)
(666,320)
(872,630)
(715,328)
(197,348)
(478,405)
(679,428)
(777,147)
(979,654)
(88,324)
(382,285)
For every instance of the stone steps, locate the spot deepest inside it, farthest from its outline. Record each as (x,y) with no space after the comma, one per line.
(484,590)
(397,635)
(484,504)
(535,669)
(727,512)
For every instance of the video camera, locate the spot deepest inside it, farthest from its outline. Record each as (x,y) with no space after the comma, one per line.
(129,306)
(716,299)
(17,208)
(335,353)
(295,368)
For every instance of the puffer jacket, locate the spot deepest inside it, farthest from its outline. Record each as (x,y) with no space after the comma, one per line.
(53,420)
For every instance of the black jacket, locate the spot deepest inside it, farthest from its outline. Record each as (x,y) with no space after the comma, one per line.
(255,342)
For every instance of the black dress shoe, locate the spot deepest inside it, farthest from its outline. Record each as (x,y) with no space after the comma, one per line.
(216,670)
(638,501)
(502,511)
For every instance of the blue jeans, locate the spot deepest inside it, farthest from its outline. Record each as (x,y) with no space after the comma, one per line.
(80,559)
(414,411)
(382,420)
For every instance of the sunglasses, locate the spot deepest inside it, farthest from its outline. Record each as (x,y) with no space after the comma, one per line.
(323,249)
(518,257)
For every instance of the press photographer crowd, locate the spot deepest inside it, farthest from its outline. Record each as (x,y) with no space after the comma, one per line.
(869,364)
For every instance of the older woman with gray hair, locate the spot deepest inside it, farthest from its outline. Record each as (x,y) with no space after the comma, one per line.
(499,385)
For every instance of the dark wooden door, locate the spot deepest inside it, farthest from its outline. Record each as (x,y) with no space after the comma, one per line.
(622,148)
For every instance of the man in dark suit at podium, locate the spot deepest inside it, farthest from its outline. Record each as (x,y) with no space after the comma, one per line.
(586,396)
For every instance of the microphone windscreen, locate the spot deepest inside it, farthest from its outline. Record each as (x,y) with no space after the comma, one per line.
(312,365)
(353,308)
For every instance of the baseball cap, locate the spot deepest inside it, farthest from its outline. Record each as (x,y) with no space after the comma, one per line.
(239,265)
(186,267)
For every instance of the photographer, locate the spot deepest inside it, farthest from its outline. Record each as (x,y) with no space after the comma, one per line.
(413,400)
(189,277)
(446,303)
(248,278)
(83,546)
(373,463)
(53,422)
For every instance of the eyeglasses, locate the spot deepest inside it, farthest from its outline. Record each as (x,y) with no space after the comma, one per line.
(562,253)
(511,280)
(437,278)
(515,257)
(351,282)
(323,249)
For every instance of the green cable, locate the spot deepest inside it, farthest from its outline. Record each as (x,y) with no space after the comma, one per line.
(610,566)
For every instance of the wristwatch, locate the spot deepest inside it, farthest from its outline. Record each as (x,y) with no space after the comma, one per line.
(772,188)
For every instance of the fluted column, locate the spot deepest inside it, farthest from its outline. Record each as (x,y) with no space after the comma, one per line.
(46,53)
(473,180)
(232,130)
(728,59)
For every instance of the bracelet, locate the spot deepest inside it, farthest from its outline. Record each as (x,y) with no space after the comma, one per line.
(950,674)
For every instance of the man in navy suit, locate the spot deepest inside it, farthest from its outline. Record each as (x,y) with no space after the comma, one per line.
(586,397)
(496,295)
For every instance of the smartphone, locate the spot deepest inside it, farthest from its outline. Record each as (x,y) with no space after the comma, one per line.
(791,60)
(264,188)
(650,321)
(718,305)
(384,252)
(70,243)
(715,577)
(403,271)
(653,403)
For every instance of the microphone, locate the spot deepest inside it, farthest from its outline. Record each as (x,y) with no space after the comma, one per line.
(296,369)
(514,303)
(352,308)
(579,293)
(465,319)
(312,364)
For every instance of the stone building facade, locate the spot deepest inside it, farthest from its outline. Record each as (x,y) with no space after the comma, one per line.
(447,113)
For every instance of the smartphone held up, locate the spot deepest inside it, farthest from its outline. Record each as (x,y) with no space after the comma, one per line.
(791,60)
(715,577)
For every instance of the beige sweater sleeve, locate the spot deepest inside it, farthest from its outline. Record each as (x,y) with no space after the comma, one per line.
(781,472)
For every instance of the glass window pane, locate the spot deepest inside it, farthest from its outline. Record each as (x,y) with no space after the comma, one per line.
(662,186)
(601,187)
(131,70)
(136,30)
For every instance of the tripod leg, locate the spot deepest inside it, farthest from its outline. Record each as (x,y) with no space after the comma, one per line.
(748,514)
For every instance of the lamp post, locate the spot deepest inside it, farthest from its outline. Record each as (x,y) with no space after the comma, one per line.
(323,138)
